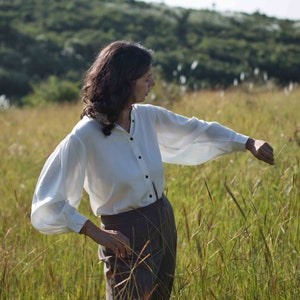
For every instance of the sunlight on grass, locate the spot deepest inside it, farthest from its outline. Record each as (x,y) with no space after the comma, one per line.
(237,218)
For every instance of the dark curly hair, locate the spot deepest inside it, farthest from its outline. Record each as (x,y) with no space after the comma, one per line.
(109,82)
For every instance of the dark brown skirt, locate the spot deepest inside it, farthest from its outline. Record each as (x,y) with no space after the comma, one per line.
(149,272)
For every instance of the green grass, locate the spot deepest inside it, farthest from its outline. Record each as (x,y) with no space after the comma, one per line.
(237,218)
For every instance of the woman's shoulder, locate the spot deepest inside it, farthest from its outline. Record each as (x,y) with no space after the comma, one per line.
(154,112)
(148,109)
(86,127)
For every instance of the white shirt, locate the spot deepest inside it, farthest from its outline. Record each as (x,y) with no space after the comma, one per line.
(118,171)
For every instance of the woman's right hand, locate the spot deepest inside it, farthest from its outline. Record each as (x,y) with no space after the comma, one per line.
(111,239)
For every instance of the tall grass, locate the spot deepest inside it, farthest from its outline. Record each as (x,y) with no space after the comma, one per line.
(237,218)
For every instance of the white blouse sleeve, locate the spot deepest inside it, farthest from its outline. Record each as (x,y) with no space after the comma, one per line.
(59,189)
(190,141)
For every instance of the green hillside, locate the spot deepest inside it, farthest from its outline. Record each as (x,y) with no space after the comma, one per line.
(58,39)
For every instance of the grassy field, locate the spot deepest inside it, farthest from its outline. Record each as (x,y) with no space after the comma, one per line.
(238,219)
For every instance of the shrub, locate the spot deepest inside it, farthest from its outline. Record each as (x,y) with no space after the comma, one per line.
(53,90)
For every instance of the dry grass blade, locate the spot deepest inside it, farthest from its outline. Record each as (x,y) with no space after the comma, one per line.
(209,193)
(268,255)
(186,224)
(235,200)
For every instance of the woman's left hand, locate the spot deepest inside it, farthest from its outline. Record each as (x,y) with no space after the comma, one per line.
(261,150)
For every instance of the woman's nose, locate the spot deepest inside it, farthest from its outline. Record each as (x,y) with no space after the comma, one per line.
(152,82)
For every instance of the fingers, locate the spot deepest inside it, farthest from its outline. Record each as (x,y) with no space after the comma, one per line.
(112,239)
(266,158)
(118,243)
(264,152)
(123,249)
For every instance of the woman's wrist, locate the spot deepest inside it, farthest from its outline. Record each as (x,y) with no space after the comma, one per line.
(92,231)
(250,143)
(89,229)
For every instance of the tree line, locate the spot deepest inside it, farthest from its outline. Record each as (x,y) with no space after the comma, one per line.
(48,45)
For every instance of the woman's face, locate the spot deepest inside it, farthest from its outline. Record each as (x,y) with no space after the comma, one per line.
(143,86)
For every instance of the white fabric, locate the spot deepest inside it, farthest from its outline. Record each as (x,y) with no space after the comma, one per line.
(118,171)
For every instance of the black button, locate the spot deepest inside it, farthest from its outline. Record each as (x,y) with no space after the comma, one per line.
(131,138)
(140,157)
(150,196)
(132,121)
(147,176)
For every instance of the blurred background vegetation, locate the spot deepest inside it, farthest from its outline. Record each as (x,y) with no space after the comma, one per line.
(46,46)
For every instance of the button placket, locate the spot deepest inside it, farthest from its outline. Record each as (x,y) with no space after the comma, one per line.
(142,164)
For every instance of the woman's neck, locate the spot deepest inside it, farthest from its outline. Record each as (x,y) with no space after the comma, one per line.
(124,119)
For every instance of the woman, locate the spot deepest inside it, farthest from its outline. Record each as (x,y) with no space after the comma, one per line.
(116,153)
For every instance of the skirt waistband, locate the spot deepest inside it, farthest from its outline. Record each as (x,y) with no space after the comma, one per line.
(132,214)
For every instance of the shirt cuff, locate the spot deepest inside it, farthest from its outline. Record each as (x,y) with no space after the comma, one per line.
(75,220)
(240,142)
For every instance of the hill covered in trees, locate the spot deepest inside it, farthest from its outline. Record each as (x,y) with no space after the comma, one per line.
(53,42)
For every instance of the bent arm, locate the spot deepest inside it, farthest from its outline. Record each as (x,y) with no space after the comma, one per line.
(59,189)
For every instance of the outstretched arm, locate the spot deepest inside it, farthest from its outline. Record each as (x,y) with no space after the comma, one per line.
(261,150)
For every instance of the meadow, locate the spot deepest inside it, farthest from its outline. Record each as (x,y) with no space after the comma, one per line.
(238,218)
